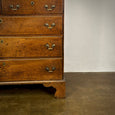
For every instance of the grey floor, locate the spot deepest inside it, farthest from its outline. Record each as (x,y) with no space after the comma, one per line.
(86,94)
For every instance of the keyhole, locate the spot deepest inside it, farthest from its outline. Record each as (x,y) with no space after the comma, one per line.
(1,21)
(32,3)
(4,63)
(2,41)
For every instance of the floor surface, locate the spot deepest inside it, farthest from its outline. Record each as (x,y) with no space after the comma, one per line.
(86,94)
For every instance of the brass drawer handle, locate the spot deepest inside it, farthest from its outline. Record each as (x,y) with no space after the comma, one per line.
(14,9)
(50,48)
(49,9)
(50,27)
(50,71)
(1,21)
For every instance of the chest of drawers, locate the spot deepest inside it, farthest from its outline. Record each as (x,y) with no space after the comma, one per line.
(32,43)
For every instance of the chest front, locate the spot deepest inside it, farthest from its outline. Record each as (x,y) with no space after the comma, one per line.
(32,43)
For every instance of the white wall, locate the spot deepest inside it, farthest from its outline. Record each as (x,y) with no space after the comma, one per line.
(89,35)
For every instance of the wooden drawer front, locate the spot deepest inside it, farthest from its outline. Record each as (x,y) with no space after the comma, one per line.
(25,70)
(30,46)
(27,25)
(13,7)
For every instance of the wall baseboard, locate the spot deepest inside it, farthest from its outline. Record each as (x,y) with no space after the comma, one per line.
(83,74)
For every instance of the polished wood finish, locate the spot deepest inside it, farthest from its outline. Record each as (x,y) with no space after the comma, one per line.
(30,46)
(59,86)
(30,25)
(38,7)
(0,8)
(28,69)
(32,43)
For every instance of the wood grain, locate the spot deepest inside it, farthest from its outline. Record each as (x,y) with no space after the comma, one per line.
(30,25)
(59,86)
(0,8)
(30,46)
(27,8)
(23,36)
(30,69)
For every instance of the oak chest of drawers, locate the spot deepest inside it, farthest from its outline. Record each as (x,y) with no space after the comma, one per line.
(32,43)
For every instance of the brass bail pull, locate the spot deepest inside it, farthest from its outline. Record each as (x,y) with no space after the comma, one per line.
(50,71)
(50,27)
(50,9)
(14,9)
(50,48)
